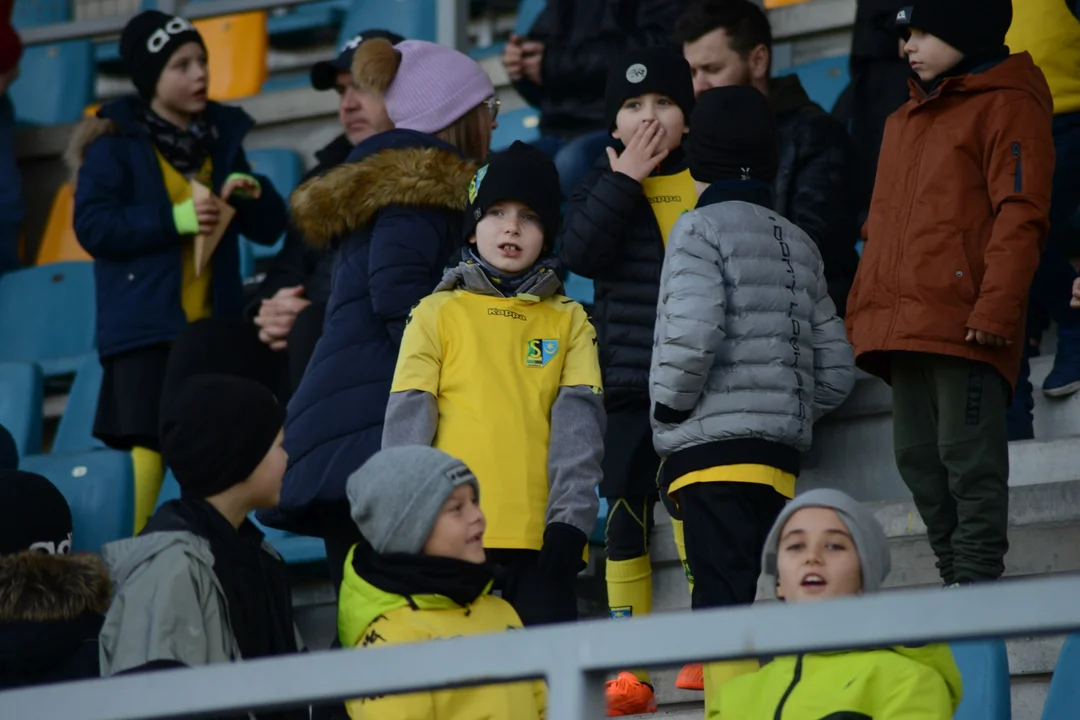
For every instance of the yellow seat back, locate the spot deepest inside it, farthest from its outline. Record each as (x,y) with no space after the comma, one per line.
(238,47)
(58,242)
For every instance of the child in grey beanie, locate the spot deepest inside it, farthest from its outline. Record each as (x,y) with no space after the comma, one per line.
(420,574)
(839,521)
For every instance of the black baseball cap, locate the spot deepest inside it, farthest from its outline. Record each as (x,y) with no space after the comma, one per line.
(324,73)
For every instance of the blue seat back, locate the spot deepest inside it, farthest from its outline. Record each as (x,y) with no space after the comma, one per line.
(823,79)
(38,96)
(170,489)
(47,316)
(284,168)
(412,19)
(527,13)
(99,485)
(22,393)
(984,667)
(1063,698)
(35,13)
(76,430)
(522,124)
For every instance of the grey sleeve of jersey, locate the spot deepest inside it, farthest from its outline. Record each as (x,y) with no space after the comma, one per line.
(575,453)
(412,417)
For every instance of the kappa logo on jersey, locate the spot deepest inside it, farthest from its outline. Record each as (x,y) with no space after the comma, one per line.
(622,613)
(539,352)
(501,312)
(160,38)
(474,186)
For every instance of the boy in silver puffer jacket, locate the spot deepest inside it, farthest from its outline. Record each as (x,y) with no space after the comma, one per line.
(748,353)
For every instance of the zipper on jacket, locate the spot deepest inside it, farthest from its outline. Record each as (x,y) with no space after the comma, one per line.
(1018,181)
(791,688)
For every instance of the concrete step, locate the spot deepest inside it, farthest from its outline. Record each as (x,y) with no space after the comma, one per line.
(853,447)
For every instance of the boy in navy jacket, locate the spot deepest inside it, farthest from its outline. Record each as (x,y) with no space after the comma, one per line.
(135,214)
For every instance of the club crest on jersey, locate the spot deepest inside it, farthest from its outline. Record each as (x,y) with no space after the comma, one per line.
(622,613)
(474,186)
(540,351)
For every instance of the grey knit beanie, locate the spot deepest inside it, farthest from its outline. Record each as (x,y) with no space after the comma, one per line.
(866,532)
(396,497)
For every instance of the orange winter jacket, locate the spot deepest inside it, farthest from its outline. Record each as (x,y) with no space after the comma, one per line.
(958,219)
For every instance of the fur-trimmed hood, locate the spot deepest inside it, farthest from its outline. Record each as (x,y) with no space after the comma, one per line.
(85,133)
(37,587)
(398,167)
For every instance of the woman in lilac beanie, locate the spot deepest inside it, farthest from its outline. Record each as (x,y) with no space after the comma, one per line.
(393,210)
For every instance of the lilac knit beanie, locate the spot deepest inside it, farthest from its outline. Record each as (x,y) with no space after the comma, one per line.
(426,87)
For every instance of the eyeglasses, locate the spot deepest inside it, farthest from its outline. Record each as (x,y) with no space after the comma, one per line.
(493,105)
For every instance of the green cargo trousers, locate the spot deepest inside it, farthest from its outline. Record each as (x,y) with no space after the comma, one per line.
(952,451)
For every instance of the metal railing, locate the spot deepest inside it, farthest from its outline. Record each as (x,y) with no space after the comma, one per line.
(574,659)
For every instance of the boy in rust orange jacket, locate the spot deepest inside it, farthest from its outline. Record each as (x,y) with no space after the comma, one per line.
(956,227)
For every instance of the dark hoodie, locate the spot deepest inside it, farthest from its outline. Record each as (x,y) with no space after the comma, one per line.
(51,611)
(393,213)
(813,187)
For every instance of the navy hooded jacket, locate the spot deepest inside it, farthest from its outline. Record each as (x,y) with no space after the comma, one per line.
(394,212)
(123,218)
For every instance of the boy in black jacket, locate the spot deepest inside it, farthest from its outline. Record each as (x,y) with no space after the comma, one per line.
(52,603)
(616,227)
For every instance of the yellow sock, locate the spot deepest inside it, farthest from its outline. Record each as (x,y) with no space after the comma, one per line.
(716,674)
(629,587)
(149,474)
(680,546)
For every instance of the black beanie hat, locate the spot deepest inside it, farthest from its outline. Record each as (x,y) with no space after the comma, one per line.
(733,136)
(148,41)
(649,70)
(523,174)
(33,515)
(217,430)
(976,28)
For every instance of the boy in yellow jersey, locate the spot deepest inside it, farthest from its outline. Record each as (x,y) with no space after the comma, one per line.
(500,370)
(749,353)
(616,225)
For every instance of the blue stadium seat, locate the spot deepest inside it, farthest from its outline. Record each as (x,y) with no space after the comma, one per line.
(579,288)
(76,430)
(99,487)
(305,24)
(823,79)
(284,168)
(35,13)
(522,124)
(599,533)
(1063,698)
(294,549)
(47,316)
(39,99)
(527,13)
(984,667)
(22,392)
(412,19)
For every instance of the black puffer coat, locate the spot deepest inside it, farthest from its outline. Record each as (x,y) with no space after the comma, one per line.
(610,234)
(814,187)
(581,39)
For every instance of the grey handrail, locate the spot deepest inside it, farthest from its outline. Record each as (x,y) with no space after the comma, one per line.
(573,658)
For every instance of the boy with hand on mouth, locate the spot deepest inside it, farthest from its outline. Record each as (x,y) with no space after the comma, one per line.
(827,545)
(499,369)
(420,575)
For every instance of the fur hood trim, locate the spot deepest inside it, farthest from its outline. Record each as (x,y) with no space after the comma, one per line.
(348,197)
(85,133)
(37,587)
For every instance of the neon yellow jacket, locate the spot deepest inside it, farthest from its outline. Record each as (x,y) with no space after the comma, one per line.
(898,683)
(370,617)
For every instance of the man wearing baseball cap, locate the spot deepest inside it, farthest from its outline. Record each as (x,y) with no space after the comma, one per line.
(288,308)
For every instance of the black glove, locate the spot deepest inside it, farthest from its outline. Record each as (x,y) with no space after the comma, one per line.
(564,545)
